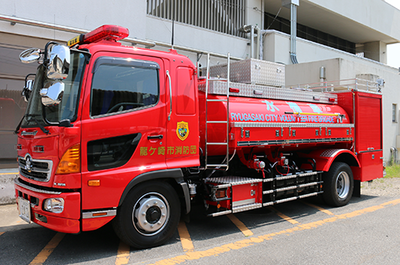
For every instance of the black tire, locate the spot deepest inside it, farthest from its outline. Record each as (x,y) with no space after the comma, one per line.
(338,184)
(149,215)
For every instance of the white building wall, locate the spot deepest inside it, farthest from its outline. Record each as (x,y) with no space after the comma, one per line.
(88,15)
(349,68)
(277,46)
(374,14)
(195,38)
(85,15)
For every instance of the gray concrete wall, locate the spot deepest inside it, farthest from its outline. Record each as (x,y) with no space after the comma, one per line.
(7,193)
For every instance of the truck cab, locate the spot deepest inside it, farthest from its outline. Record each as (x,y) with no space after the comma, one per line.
(101,119)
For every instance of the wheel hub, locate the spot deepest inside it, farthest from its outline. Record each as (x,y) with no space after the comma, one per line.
(343,184)
(150,214)
(153,215)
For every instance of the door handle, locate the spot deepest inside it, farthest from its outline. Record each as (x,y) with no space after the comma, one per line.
(152,137)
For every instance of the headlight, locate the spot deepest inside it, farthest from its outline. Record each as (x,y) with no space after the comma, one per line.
(54,205)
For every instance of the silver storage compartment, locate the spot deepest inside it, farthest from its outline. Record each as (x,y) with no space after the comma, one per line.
(219,87)
(252,71)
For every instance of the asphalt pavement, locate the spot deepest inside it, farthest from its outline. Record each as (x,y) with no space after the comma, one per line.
(365,231)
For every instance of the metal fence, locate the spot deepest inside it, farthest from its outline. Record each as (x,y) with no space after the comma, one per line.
(226,16)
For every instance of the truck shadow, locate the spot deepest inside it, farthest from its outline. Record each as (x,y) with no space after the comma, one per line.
(205,232)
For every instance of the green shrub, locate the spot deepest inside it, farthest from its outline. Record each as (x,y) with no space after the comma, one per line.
(393,171)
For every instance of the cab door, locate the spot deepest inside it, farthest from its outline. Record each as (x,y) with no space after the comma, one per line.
(183,125)
(123,125)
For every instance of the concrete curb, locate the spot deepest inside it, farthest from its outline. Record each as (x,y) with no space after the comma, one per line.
(7,193)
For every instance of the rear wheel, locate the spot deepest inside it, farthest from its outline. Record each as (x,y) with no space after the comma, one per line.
(148,216)
(338,184)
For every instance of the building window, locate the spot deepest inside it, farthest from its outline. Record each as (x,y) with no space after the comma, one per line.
(394,112)
(304,32)
(226,16)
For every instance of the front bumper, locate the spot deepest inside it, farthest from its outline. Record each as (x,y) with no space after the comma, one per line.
(67,221)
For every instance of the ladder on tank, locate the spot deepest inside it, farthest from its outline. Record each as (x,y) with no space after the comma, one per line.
(225,163)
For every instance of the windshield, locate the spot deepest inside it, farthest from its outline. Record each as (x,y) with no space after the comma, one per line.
(67,109)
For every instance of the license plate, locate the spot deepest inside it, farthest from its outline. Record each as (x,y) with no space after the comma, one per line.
(24,209)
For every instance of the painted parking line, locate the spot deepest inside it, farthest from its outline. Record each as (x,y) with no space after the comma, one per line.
(48,249)
(240,225)
(285,217)
(1,233)
(123,254)
(13,173)
(319,208)
(259,239)
(184,235)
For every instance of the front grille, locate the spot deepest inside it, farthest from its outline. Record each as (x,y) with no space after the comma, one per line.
(34,168)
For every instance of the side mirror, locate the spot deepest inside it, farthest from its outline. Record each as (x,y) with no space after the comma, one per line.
(52,93)
(58,64)
(27,90)
(30,55)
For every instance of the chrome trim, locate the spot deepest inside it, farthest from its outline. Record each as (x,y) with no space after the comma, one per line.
(370,151)
(290,124)
(219,213)
(310,194)
(18,183)
(170,95)
(292,198)
(239,209)
(222,186)
(88,215)
(29,133)
(298,186)
(232,180)
(243,202)
(309,173)
(284,177)
(31,168)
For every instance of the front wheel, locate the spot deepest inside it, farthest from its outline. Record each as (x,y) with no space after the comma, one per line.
(338,184)
(148,216)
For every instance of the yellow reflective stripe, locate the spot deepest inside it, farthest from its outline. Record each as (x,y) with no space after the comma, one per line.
(255,240)
(123,254)
(285,217)
(48,249)
(184,235)
(240,225)
(319,208)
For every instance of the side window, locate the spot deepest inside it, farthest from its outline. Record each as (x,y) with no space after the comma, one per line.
(185,91)
(111,152)
(121,85)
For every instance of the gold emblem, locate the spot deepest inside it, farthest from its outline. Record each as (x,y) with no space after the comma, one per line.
(182,130)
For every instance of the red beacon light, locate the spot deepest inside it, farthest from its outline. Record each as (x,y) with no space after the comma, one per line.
(105,32)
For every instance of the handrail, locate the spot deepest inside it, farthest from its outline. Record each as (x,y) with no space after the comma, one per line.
(170,96)
(344,84)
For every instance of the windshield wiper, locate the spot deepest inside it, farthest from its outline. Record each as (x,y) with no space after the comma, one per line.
(32,118)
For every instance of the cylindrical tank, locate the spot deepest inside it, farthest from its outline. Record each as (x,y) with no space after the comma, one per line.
(256,121)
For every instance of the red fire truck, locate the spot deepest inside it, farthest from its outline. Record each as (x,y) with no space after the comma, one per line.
(135,136)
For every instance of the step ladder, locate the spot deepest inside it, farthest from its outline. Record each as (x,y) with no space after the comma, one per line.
(225,163)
